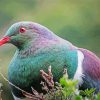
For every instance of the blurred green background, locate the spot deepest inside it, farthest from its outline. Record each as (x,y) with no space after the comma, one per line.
(78,21)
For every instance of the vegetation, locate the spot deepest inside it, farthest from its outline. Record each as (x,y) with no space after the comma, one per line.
(64,90)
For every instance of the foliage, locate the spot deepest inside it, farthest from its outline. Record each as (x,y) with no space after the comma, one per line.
(87,92)
(64,90)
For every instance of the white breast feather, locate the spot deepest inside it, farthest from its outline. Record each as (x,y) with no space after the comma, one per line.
(79,72)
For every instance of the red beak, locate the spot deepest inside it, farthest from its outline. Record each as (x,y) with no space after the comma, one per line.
(4,40)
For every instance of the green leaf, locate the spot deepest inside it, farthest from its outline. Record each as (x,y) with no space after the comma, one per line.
(87,92)
(78,97)
(98,96)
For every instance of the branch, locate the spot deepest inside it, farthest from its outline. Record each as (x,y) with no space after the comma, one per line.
(34,96)
(48,77)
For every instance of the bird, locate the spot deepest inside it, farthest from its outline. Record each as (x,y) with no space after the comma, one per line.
(37,47)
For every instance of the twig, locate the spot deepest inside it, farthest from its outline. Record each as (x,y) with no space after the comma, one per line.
(65,74)
(1,91)
(23,91)
(36,96)
(48,77)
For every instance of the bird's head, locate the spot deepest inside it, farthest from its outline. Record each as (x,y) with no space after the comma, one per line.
(22,33)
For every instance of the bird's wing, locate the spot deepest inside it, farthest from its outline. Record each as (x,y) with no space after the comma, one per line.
(91,64)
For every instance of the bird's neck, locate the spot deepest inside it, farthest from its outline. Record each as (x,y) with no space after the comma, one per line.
(43,45)
(37,46)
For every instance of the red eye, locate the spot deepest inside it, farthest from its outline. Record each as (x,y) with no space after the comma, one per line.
(22,30)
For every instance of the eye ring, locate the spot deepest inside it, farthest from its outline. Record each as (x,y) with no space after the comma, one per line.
(22,29)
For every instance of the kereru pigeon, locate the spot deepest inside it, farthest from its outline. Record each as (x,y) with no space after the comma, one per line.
(38,48)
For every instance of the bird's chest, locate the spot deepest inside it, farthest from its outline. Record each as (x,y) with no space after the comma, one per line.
(24,71)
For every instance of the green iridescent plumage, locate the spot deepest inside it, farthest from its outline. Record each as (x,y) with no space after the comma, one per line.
(37,49)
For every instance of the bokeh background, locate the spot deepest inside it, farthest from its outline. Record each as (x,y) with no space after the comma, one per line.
(78,21)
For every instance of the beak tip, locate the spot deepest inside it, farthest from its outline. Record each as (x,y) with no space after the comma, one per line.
(4,40)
